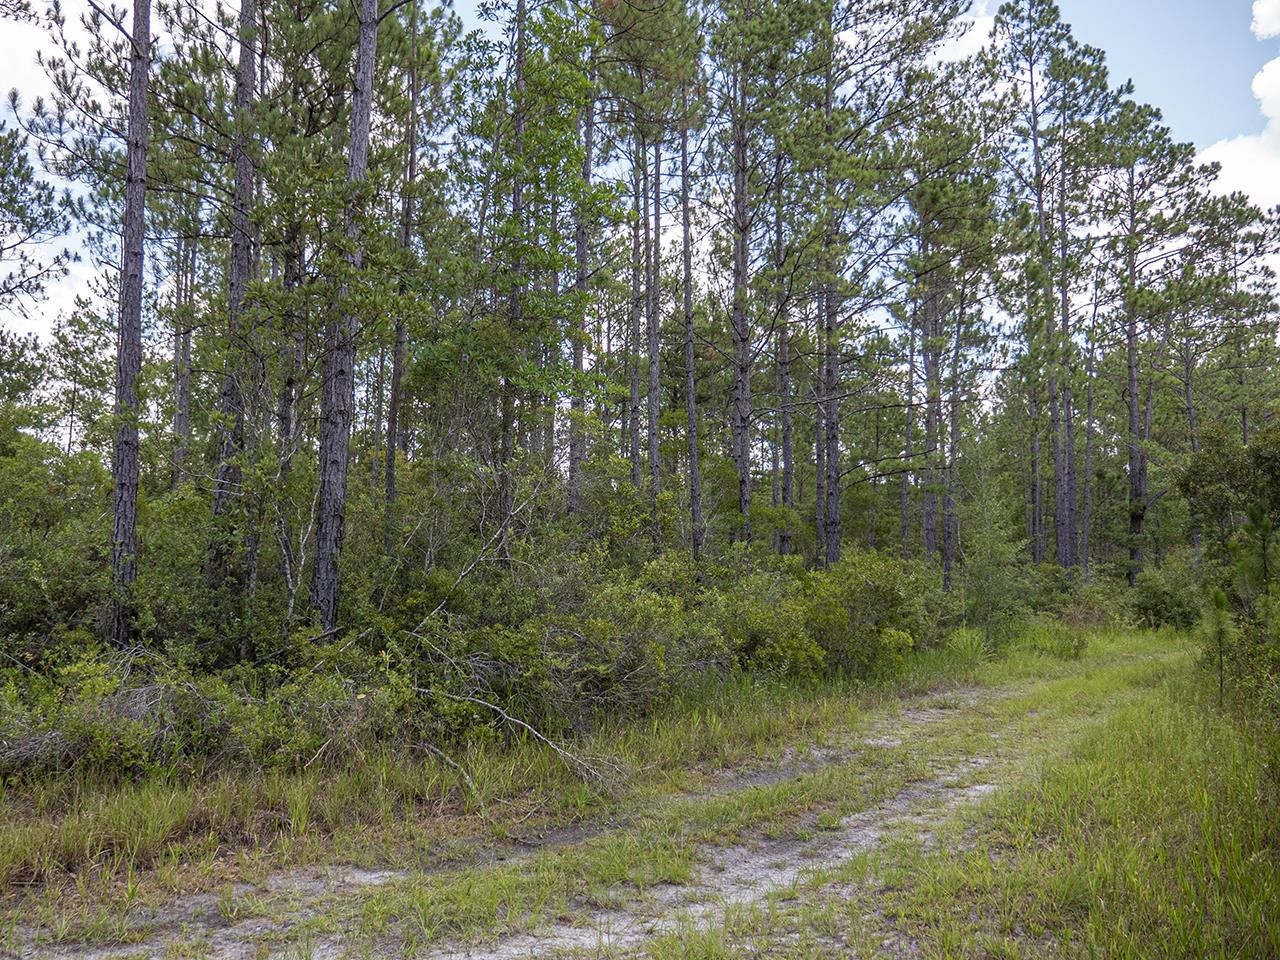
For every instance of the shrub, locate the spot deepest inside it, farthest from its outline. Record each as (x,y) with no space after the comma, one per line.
(762,617)
(1097,605)
(867,611)
(969,645)
(1053,638)
(1168,595)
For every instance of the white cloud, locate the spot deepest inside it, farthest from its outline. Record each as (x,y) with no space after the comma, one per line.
(1266,19)
(977,22)
(1251,162)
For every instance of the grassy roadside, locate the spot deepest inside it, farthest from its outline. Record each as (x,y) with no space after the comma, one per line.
(527,791)
(661,847)
(170,834)
(1148,828)
(1158,835)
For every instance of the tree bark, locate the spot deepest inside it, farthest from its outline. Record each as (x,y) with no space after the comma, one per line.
(1086,507)
(1070,526)
(338,387)
(1193,426)
(908,450)
(950,521)
(400,349)
(228,480)
(740,319)
(125,459)
(690,380)
(581,241)
(1137,464)
(653,333)
(820,445)
(515,303)
(831,420)
(1037,486)
(185,280)
(931,356)
(633,347)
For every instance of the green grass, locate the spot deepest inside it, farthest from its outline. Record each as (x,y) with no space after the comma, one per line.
(1157,835)
(1142,822)
(1132,815)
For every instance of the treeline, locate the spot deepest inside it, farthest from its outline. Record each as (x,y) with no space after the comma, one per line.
(409,343)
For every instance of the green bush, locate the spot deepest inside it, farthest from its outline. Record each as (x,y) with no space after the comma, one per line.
(1052,638)
(762,618)
(1169,595)
(969,645)
(867,611)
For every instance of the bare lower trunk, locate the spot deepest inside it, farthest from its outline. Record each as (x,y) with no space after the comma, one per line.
(633,347)
(652,333)
(931,356)
(125,460)
(1137,466)
(741,321)
(337,396)
(1193,430)
(788,440)
(291,363)
(1037,488)
(690,381)
(182,359)
(231,400)
(831,423)
(581,240)
(950,524)
(820,451)
(515,302)
(1060,540)
(908,451)
(1086,507)
(1069,553)
(400,349)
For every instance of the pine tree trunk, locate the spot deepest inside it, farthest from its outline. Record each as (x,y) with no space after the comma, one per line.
(231,410)
(786,492)
(1242,385)
(1137,500)
(1193,428)
(515,302)
(930,354)
(1071,527)
(400,349)
(337,398)
(653,332)
(291,364)
(908,450)
(1060,541)
(831,422)
(690,381)
(1086,507)
(788,431)
(182,359)
(741,321)
(125,459)
(633,346)
(1037,487)
(581,240)
(820,446)
(950,524)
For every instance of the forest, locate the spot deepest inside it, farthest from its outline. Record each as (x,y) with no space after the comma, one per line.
(561,479)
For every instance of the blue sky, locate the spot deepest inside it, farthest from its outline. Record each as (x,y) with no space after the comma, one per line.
(1195,59)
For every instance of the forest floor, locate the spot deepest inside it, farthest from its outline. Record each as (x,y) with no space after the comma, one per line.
(934,824)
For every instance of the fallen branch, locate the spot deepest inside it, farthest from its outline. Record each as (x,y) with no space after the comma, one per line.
(584,769)
(453,764)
